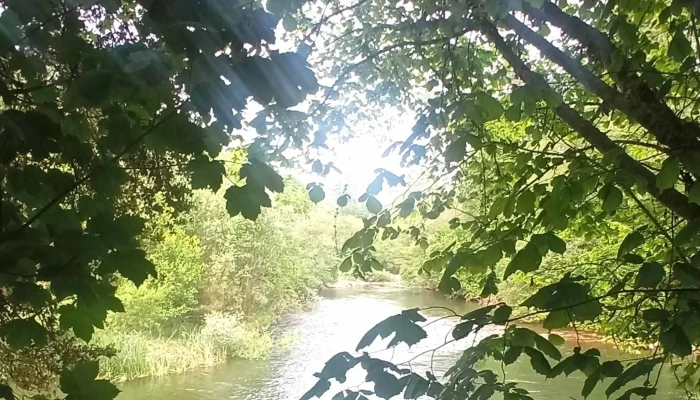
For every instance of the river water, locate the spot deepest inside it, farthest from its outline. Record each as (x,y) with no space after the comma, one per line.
(336,323)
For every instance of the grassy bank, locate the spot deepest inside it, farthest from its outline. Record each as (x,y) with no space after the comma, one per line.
(218,338)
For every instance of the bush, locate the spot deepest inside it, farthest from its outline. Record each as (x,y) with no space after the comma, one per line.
(173,296)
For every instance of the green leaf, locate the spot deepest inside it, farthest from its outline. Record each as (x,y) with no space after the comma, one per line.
(406,207)
(497,207)
(462,330)
(6,391)
(687,233)
(29,293)
(343,200)
(131,264)
(679,49)
(526,202)
(79,322)
(338,366)
(638,369)
(557,320)
(650,275)
(417,387)
(403,326)
(20,333)
(317,390)
(258,173)
(490,286)
(628,32)
(528,259)
(373,205)
(289,23)
(590,383)
(317,194)
(555,243)
(612,368)
(694,194)
(502,314)
(457,150)
(81,383)
(511,355)
(490,108)
(667,177)
(346,265)
(479,314)
(675,341)
(94,89)
(76,125)
(612,200)
(206,174)
(547,347)
(556,339)
(246,200)
(538,361)
(655,315)
(688,275)
(631,242)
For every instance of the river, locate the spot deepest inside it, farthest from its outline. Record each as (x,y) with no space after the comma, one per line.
(336,323)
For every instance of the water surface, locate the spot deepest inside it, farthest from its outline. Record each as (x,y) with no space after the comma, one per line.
(336,323)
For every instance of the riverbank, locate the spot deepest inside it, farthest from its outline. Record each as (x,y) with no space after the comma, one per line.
(340,319)
(217,339)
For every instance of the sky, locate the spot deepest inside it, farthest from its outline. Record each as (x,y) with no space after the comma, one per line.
(359,158)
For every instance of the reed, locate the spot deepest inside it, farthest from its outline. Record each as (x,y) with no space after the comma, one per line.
(141,354)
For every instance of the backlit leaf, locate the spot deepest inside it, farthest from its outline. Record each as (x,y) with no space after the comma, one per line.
(667,177)
(631,242)
(650,275)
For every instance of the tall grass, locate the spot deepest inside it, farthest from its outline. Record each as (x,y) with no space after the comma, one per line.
(141,354)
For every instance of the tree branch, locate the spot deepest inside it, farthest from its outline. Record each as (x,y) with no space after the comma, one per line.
(667,125)
(658,120)
(671,198)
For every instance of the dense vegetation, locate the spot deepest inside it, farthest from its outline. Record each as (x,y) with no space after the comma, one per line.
(561,138)
(558,142)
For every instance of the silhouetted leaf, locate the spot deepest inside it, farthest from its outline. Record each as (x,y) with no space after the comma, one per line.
(556,244)
(650,275)
(502,314)
(631,242)
(343,200)
(403,326)
(547,347)
(528,259)
(81,383)
(612,368)
(679,48)
(667,177)
(675,341)
(538,362)
(317,194)
(373,205)
(590,383)
(317,390)
(633,372)
(20,333)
